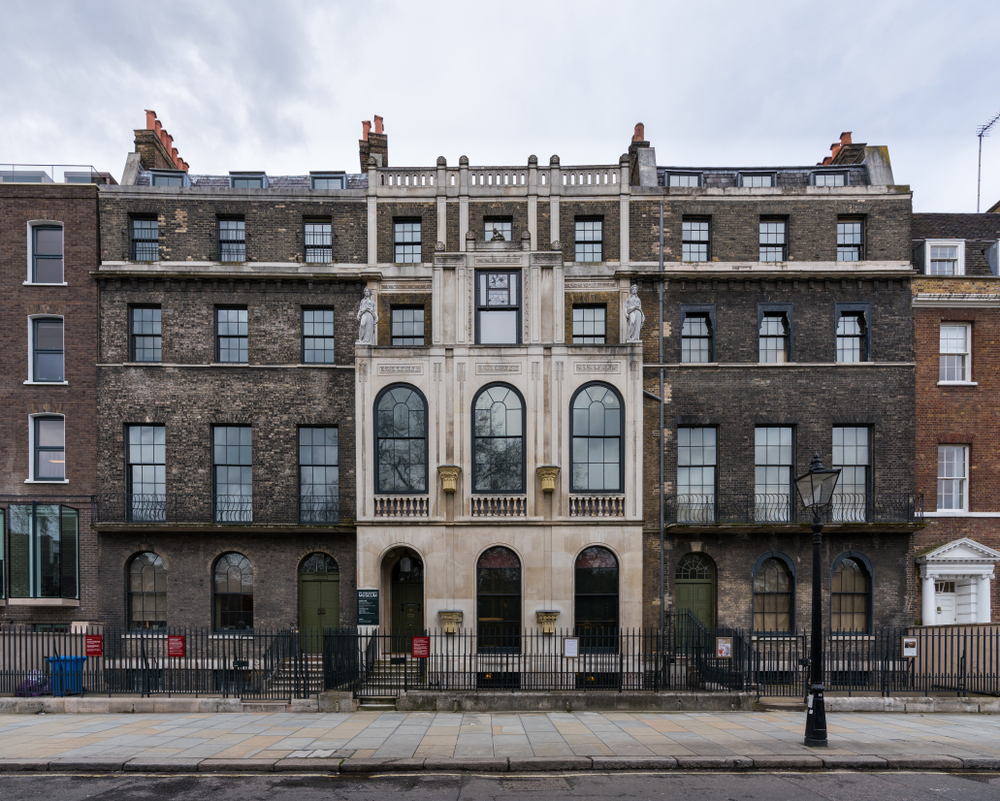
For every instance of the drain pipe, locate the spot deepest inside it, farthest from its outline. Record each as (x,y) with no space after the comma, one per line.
(660,487)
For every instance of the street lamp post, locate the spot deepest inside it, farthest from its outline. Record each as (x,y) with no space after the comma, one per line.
(816,490)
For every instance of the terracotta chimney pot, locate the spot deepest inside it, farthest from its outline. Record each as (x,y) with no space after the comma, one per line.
(845,138)
(378,124)
(150,119)
(366,126)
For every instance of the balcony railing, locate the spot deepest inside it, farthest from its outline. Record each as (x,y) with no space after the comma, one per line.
(402,506)
(211,509)
(52,174)
(597,506)
(499,506)
(711,509)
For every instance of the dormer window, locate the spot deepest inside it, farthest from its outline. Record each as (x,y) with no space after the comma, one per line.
(944,257)
(247,180)
(757,180)
(829,179)
(169,178)
(327,180)
(684,179)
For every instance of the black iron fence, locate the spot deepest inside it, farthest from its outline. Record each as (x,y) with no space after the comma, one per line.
(284,664)
(712,509)
(200,508)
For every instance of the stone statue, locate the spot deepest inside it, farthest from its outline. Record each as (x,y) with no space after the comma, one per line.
(634,318)
(497,236)
(367,317)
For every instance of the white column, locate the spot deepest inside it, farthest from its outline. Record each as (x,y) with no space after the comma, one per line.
(983,599)
(928,603)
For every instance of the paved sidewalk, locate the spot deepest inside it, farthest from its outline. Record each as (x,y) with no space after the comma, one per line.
(372,742)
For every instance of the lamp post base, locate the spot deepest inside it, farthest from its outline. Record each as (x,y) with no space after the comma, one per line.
(816,718)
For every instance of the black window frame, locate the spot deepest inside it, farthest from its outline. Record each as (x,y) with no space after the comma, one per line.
(377,439)
(487,308)
(410,247)
(758,565)
(307,337)
(523,436)
(774,310)
(227,242)
(669,177)
(763,246)
(230,511)
(688,241)
(331,177)
(149,242)
(158,570)
(706,310)
(146,507)
(28,558)
(833,173)
(858,248)
(37,351)
(574,486)
(490,222)
(44,257)
(588,586)
(242,564)
(505,635)
(864,310)
(584,238)
(401,341)
(318,509)
(169,178)
(314,253)
(219,337)
(133,336)
(248,180)
(584,338)
(757,174)
(869,593)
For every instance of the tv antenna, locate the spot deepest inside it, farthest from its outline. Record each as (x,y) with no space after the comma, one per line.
(981,131)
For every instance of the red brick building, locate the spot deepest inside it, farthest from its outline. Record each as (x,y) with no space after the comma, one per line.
(956,306)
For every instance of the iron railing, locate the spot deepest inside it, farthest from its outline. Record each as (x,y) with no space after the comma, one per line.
(711,509)
(283,664)
(261,508)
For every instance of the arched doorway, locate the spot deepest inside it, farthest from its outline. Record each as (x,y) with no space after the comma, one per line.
(694,587)
(406,601)
(319,598)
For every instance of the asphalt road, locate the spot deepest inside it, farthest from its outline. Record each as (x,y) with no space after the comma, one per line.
(813,786)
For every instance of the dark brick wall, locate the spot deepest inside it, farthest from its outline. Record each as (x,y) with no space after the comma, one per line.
(425,212)
(569,210)
(735,232)
(189,399)
(274,230)
(153,154)
(544,225)
(453,243)
(75,206)
(386,300)
(190,557)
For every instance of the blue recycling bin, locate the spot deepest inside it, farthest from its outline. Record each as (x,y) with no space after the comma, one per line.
(67,674)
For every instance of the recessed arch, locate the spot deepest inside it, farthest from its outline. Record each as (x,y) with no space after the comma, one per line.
(232,592)
(851,592)
(596,598)
(597,429)
(498,441)
(400,440)
(774,593)
(146,606)
(498,600)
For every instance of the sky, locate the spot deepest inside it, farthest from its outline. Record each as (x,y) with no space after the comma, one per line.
(284,86)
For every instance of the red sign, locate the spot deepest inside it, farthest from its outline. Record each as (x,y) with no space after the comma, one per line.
(95,644)
(175,645)
(421,647)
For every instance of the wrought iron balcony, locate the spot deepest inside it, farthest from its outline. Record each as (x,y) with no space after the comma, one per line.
(753,509)
(174,508)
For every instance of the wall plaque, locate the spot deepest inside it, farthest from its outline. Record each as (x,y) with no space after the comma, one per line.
(485,369)
(400,369)
(597,367)
(367,607)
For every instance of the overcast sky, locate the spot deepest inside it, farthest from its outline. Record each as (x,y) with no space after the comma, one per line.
(284,86)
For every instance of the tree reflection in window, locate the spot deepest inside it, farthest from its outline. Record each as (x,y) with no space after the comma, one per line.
(498,591)
(401,440)
(498,434)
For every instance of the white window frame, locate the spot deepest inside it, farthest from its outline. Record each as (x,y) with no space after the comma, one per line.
(32,224)
(32,479)
(31,350)
(967,381)
(964,479)
(959,244)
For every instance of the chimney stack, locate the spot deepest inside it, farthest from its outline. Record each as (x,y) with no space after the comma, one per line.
(373,143)
(156,147)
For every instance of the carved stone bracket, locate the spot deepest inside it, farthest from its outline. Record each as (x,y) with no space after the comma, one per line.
(547,473)
(449,477)
(451,620)
(547,620)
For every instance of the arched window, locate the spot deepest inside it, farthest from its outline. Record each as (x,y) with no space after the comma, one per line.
(233,592)
(773,594)
(498,601)
(400,440)
(597,423)
(319,563)
(147,592)
(851,599)
(498,440)
(596,608)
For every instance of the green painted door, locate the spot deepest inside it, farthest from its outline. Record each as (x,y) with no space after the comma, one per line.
(319,607)
(407,613)
(699,597)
